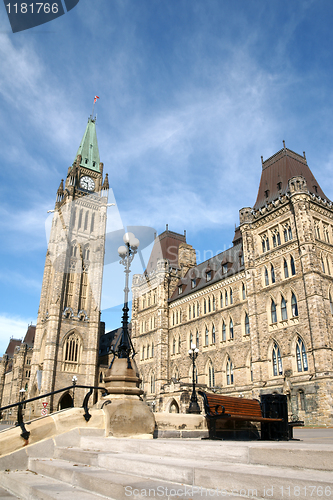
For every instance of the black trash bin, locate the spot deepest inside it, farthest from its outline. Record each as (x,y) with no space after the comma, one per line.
(274,406)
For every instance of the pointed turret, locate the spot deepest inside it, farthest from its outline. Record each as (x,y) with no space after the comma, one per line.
(88,149)
(60,192)
(106,186)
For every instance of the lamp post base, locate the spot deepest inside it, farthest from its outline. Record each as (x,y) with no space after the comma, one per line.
(194,408)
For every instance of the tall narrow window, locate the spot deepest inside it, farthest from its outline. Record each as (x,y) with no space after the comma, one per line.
(152,383)
(230,372)
(214,305)
(266,277)
(331,303)
(292,266)
(198,309)
(205,307)
(247,325)
(152,350)
(69,290)
(243,292)
(191,340)
(221,299)
(92,224)
(226,298)
(284,314)
(273,312)
(301,358)
(174,346)
(294,308)
(213,335)
(231,297)
(79,224)
(179,344)
(209,305)
(189,312)
(197,339)
(328,266)
(277,361)
(224,335)
(211,375)
(148,351)
(322,264)
(86,220)
(83,292)
(193,311)
(272,273)
(285,269)
(231,329)
(206,337)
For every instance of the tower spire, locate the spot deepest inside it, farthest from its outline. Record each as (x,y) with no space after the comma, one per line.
(88,149)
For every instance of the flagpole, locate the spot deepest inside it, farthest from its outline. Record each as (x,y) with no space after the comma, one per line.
(95,99)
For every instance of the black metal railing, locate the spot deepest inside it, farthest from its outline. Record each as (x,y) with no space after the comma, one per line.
(25,434)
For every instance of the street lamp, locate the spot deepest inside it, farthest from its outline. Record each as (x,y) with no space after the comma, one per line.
(194,406)
(126,254)
(74,380)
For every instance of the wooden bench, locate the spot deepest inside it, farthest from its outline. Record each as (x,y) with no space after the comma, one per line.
(218,406)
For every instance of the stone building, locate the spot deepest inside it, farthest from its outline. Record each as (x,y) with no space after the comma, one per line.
(15,368)
(68,323)
(260,312)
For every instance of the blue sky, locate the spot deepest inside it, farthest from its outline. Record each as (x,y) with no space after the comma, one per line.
(192,93)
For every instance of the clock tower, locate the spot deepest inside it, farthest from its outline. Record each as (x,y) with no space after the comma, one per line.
(68,324)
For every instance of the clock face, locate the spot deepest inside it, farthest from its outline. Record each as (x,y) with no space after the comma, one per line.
(87,183)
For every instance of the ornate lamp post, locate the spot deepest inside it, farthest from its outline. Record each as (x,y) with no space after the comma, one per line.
(194,406)
(126,253)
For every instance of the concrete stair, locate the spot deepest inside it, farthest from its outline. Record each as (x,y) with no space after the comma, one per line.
(97,467)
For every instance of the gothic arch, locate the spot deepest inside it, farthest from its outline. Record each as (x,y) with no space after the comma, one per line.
(66,401)
(172,406)
(72,346)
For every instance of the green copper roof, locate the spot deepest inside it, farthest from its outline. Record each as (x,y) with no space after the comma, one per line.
(89,148)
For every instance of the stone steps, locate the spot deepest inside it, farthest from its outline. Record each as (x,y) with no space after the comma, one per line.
(97,467)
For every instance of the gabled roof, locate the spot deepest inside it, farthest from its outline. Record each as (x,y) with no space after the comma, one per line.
(231,258)
(166,246)
(88,148)
(30,336)
(277,170)
(13,343)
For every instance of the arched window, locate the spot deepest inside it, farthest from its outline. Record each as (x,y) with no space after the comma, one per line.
(179,344)
(230,372)
(72,353)
(193,311)
(79,224)
(328,266)
(231,299)
(189,312)
(152,350)
(214,306)
(211,375)
(173,345)
(292,266)
(294,308)
(197,340)
(148,351)
(231,329)
(284,314)
(224,335)
(221,300)
(301,358)
(209,305)
(226,298)
(198,309)
(277,361)
(322,264)
(143,352)
(266,277)
(272,273)
(247,324)
(285,269)
(205,307)
(273,312)
(213,335)
(243,292)
(206,336)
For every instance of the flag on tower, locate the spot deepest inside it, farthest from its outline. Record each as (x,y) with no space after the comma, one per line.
(96,97)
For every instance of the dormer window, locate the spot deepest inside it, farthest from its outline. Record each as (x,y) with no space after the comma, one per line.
(224,268)
(266,193)
(86,161)
(193,283)
(279,186)
(94,163)
(208,275)
(180,289)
